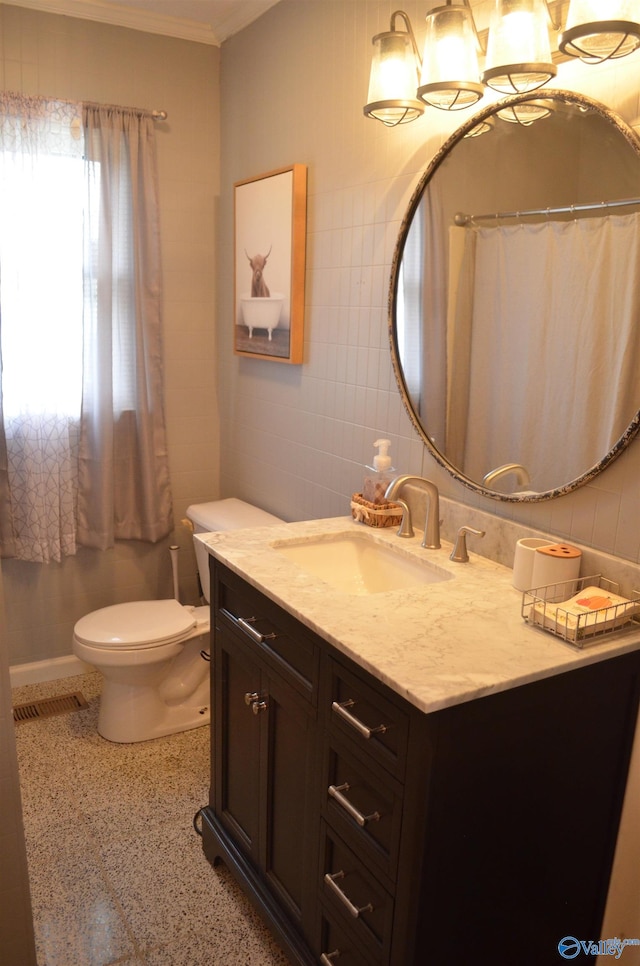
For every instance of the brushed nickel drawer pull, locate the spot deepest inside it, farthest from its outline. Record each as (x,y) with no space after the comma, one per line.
(244,623)
(356,912)
(362,729)
(335,791)
(327,959)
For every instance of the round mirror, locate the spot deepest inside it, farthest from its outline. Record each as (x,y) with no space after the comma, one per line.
(515,297)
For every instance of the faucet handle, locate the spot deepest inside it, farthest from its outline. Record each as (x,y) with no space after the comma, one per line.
(459,552)
(406,526)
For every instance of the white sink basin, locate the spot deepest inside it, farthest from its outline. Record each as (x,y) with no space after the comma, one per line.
(354,563)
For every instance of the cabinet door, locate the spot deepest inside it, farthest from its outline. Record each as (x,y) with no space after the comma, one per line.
(263,742)
(236,743)
(288,761)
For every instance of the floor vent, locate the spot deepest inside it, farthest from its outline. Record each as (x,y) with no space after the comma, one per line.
(46,707)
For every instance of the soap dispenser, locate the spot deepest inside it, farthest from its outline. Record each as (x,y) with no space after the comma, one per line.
(380,474)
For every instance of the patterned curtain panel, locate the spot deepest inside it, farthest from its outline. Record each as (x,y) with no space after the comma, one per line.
(41,318)
(82,443)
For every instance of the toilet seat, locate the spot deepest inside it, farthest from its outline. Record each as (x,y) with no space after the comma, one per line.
(139,624)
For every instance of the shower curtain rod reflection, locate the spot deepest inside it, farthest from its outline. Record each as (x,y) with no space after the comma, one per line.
(461,219)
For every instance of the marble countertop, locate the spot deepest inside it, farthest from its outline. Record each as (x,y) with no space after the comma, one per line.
(438,645)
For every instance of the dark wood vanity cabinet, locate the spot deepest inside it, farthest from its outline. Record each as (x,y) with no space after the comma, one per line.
(370,833)
(264,706)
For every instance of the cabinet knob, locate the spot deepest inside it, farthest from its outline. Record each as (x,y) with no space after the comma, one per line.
(256,701)
(327,959)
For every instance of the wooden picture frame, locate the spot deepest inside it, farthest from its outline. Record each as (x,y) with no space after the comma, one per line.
(270,213)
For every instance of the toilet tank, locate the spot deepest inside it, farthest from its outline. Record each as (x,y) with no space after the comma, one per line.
(230,514)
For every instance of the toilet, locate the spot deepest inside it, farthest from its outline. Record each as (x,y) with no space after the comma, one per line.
(153,654)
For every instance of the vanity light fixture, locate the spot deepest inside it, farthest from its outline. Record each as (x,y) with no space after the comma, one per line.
(518,55)
(450,78)
(518,48)
(594,39)
(395,72)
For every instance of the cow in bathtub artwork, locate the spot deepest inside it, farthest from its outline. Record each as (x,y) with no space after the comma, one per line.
(259,288)
(260,310)
(269,249)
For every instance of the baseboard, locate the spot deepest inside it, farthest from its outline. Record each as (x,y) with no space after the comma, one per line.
(49,670)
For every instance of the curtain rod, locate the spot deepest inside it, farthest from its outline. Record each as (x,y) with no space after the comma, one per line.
(461,219)
(156,115)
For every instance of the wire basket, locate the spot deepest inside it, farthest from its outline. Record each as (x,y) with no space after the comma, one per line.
(580,611)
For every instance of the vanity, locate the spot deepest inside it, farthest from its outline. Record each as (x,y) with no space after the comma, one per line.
(410,776)
(410,773)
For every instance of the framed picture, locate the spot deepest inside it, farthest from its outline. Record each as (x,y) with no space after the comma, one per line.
(270,238)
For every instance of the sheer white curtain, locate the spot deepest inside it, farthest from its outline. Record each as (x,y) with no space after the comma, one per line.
(547,394)
(41,279)
(83,455)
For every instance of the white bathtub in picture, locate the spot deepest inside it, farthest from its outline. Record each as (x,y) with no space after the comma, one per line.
(261,313)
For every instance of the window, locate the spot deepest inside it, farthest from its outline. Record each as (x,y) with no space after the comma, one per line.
(41,244)
(81,354)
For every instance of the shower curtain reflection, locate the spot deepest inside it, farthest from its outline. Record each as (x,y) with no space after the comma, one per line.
(519,375)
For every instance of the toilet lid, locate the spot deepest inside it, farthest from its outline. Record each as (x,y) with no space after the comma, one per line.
(144,623)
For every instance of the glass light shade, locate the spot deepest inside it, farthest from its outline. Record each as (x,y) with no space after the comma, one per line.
(518,48)
(525,113)
(599,30)
(393,80)
(450,73)
(482,127)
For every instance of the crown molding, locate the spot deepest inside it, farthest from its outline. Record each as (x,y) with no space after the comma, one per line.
(132,17)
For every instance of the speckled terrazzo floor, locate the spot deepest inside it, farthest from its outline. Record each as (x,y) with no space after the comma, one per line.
(117,871)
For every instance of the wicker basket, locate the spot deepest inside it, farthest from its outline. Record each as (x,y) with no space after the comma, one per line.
(375,514)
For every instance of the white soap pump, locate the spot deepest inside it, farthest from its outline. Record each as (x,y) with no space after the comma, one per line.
(380,474)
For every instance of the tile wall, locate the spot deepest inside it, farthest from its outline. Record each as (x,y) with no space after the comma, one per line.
(289,88)
(294,438)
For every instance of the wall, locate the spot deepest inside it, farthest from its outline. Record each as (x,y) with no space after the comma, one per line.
(16,928)
(294,438)
(75,59)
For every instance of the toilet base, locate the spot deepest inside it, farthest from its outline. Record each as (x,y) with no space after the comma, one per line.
(133,707)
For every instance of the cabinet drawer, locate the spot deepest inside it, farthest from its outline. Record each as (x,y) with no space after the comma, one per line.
(364,804)
(364,714)
(338,947)
(356,899)
(279,638)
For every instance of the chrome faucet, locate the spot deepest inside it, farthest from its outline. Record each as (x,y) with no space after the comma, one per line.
(431,538)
